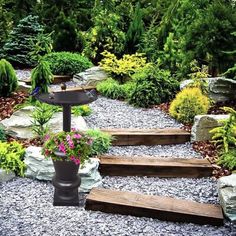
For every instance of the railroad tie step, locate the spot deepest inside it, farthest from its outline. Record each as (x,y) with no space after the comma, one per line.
(162,208)
(131,137)
(154,167)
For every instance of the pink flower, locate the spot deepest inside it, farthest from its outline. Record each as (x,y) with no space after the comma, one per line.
(68,138)
(47,152)
(62,147)
(78,136)
(47,136)
(77,161)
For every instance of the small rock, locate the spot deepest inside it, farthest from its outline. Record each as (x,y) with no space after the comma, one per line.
(6,175)
(227,194)
(203,124)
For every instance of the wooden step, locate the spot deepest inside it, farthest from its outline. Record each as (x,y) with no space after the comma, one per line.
(163,208)
(158,167)
(126,137)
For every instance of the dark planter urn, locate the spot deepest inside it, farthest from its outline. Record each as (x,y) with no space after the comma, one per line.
(66,182)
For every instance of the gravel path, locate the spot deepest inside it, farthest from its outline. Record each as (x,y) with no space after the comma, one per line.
(108,113)
(26,210)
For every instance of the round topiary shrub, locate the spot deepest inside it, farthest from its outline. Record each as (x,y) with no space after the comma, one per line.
(189,103)
(8,79)
(67,63)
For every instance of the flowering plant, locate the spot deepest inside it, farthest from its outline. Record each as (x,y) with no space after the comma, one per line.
(76,145)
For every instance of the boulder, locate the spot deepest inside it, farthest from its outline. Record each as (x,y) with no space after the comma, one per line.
(90,77)
(220,89)
(6,175)
(203,124)
(227,195)
(185,83)
(38,167)
(19,125)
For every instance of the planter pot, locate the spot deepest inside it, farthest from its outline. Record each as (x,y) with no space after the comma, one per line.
(66,182)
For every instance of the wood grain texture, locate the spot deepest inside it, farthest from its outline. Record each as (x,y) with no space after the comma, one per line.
(124,137)
(154,167)
(163,208)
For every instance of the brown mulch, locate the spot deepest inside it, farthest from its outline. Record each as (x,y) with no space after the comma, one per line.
(27,142)
(7,104)
(216,108)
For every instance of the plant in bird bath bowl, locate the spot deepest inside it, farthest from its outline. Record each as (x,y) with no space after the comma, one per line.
(68,150)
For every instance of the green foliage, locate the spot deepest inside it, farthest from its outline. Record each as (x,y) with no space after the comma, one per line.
(11,157)
(19,44)
(135,31)
(187,104)
(5,21)
(153,86)
(83,110)
(41,46)
(65,34)
(41,76)
(231,73)
(2,134)
(66,63)
(101,141)
(122,69)
(41,116)
(8,79)
(111,88)
(224,136)
(228,159)
(104,35)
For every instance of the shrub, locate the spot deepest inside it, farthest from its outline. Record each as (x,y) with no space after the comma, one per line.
(2,134)
(231,73)
(83,110)
(19,44)
(122,69)
(41,77)
(153,86)
(111,88)
(189,103)
(101,141)
(8,79)
(11,157)
(228,159)
(67,63)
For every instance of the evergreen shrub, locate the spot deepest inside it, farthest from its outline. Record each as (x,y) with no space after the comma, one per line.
(67,63)
(153,87)
(189,103)
(19,44)
(8,79)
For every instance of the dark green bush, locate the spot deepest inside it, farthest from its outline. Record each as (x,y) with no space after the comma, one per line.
(2,134)
(8,80)
(101,141)
(67,63)
(231,73)
(153,86)
(19,44)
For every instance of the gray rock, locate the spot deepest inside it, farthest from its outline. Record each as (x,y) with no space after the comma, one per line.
(220,89)
(22,86)
(38,167)
(227,195)
(19,125)
(203,124)
(90,77)
(6,175)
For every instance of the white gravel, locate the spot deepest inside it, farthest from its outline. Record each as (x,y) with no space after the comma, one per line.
(108,113)
(26,210)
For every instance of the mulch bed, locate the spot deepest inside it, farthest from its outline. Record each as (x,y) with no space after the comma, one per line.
(27,142)
(7,104)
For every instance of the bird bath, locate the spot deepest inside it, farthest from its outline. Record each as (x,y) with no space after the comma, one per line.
(66,179)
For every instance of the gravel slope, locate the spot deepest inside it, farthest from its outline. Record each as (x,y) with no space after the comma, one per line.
(26,210)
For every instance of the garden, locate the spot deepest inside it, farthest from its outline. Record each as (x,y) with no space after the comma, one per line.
(117,117)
